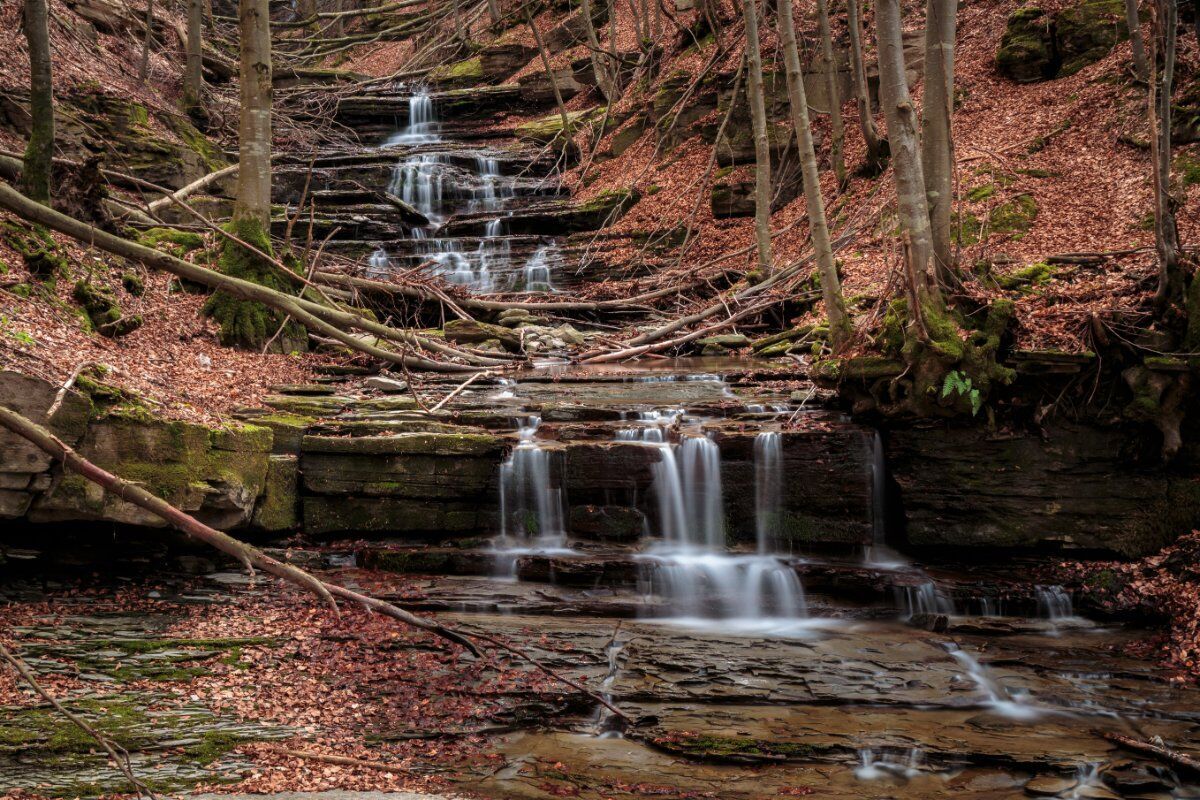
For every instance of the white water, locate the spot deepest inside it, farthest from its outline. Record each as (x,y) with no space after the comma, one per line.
(1054,603)
(434,184)
(875,765)
(689,566)
(878,554)
(998,697)
(768,490)
(531,502)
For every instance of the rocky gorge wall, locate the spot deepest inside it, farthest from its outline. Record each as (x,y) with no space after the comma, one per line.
(344,465)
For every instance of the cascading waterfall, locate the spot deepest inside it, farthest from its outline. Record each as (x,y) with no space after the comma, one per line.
(431,181)
(1054,603)
(999,698)
(531,502)
(768,490)
(689,566)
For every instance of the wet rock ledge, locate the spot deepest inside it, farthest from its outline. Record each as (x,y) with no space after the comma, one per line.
(343,459)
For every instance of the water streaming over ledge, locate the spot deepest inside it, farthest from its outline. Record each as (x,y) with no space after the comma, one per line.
(532,506)
(436,183)
(687,563)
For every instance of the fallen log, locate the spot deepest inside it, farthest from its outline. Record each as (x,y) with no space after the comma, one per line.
(1182,761)
(308,313)
(251,557)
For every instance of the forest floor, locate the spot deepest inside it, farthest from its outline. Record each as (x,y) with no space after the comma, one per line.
(1066,154)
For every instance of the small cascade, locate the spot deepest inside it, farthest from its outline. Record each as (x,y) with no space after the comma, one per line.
(607,725)
(1054,603)
(378,265)
(924,598)
(768,490)
(999,698)
(878,554)
(531,503)
(689,565)
(536,274)
(878,764)
(439,184)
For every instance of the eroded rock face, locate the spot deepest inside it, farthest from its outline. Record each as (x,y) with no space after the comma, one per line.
(25,468)
(1076,489)
(215,475)
(1040,45)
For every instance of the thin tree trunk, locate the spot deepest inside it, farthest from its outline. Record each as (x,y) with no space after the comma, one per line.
(762,144)
(193,76)
(545,56)
(1140,67)
(460,30)
(866,119)
(1166,233)
(494,12)
(909,175)
(837,130)
(144,66)
(831,290)
(254,129)
(39,154)
(600,62)
(937,142)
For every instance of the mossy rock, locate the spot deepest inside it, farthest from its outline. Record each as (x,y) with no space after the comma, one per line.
(467,72)
(1038,45)
(170,240)
(103,311)
(467,331)
(42,256)
(1027,278)
(1026,52)
(278,507)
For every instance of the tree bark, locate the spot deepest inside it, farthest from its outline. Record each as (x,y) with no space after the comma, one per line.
(937,142)
(909,175)
(1166,232)
(193,76)
(494,12)
(837,129)
(1141,69)
(762,144)
(39,153)
(254,129)
(144,66)
(831,290)
(544,54)
(876,152)
(605,80)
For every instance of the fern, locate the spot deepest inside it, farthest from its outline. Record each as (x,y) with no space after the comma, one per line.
(960,384)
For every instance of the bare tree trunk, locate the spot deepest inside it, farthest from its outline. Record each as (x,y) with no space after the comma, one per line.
(144,66)
(494,12)
(193,76)
(545,56)
(1166,233)
(39,153)
(762,144)
(866,119)
(254,129)
(600,63)
(1140,68)
(831,290)
(937,142)
(906,156)
(460,30)
(837,130)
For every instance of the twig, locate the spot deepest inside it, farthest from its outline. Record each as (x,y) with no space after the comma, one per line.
(458,389)
(118,754)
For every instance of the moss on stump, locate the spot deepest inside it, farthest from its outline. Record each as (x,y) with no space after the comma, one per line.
(246,323)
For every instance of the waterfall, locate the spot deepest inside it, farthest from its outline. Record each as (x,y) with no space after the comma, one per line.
(878,554)
(1054,603)
(924,598)
(438,184)
(689,566)
(768,489)
(531,501)
(536,277)
(875,765)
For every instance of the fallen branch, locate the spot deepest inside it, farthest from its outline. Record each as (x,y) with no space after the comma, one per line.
(191,188)
(118,754)
(457,390)
(310,314)
(251,557)
(1163,753)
